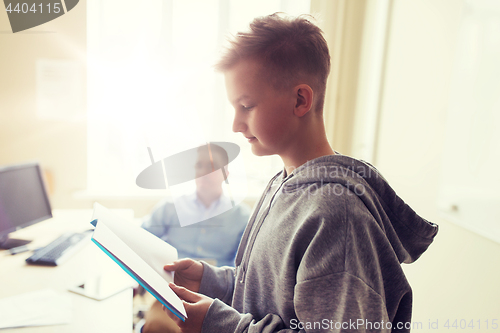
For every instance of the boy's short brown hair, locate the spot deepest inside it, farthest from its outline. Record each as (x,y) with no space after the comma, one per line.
(290,49)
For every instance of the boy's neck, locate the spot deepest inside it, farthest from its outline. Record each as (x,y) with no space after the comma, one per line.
(311,144)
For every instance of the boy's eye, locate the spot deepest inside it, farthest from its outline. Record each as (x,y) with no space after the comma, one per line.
(246,108)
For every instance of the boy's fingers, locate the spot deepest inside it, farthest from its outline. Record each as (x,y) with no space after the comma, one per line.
(185,294)
(178,264)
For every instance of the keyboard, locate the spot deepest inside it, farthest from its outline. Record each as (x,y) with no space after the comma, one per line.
(59,250)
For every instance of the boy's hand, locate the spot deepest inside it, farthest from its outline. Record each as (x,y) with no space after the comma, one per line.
(196,306)
(157,321)
(188,273)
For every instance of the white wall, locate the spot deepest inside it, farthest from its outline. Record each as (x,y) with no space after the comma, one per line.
(458,277)
(59,145)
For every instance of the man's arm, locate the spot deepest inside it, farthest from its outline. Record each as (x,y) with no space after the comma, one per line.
(158,223)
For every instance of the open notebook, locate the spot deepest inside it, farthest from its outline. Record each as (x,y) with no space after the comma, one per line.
(139,253)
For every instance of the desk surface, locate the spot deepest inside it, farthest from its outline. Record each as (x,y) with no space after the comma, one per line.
(113,314)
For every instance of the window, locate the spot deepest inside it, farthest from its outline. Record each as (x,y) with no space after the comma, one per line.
(151,84)
(467,193)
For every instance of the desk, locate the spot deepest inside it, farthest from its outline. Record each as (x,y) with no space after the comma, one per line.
(110,315)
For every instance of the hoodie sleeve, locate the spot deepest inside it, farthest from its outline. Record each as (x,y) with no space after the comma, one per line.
(217,282)
(342,303)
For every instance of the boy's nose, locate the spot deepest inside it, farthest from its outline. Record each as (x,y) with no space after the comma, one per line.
(238,124)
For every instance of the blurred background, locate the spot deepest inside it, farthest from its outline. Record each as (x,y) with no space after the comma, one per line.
(414,90)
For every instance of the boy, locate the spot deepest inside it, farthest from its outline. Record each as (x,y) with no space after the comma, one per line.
(323,248)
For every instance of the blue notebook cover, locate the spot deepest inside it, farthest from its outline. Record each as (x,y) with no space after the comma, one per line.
(137,278)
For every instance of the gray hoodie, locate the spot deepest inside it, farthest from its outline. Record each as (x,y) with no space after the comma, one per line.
(322,252)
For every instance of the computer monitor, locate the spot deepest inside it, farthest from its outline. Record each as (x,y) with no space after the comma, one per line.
(23,201)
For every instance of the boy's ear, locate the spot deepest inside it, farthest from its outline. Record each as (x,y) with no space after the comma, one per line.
(304,95)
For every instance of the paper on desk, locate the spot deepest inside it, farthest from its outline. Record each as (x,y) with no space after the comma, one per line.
(39,308)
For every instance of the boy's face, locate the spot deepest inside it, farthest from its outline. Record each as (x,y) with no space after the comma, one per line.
(263,114)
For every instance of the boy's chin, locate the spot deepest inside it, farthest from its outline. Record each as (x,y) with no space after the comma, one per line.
(260,151)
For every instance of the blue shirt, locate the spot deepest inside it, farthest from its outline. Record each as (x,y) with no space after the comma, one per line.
(216,238)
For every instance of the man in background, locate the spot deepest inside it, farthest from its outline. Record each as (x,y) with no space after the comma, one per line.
(214,239)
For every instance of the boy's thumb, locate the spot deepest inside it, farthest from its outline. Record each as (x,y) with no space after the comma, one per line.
(172,266)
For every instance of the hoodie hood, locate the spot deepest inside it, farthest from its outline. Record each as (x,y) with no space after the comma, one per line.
(408,233)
